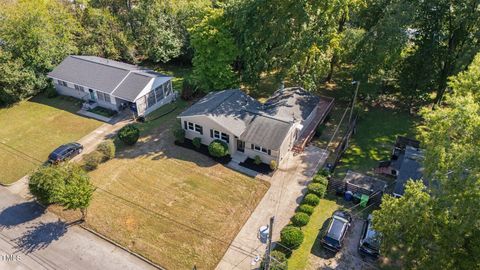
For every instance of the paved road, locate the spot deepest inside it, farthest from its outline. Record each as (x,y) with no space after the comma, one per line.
(31,238)
(288,185)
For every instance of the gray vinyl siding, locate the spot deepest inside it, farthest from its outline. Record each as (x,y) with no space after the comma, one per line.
(67,91)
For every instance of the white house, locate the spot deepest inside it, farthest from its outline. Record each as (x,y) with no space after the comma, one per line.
(112,84)
(270,130)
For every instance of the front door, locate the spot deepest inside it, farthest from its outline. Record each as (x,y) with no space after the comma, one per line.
(92,94)
(240,146)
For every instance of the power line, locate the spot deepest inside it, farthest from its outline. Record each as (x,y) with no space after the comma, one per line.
(20,154)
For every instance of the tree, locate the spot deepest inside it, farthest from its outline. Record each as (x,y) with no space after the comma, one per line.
(103,35)
(35,36)
(214,53)
(78,191)
(47,184)
(436,227)
(156,31)
(16,81)
(40,33)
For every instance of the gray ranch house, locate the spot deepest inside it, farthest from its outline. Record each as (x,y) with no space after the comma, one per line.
(285,122)
(111,84)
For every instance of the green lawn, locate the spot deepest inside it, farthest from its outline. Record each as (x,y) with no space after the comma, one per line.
(377,130)
(173,205)
(32,129)
(323,211)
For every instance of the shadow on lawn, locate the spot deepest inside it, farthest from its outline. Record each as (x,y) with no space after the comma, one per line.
(20,213)
(41,236)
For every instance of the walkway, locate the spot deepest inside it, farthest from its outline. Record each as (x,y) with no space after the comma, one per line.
(288,185)
(35,239)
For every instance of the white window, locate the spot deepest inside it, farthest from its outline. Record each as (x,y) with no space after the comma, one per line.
(258,148)
(219,135)
(193,127)
(79,88)
(62,83)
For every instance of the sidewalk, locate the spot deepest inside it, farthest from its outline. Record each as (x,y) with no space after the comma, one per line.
(288,185)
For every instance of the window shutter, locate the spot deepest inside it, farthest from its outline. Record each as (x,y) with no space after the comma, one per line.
(269,152)
(185,124)
(211,133)
(201,130)
(253,147)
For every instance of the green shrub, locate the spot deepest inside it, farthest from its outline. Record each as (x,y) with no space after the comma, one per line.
(324,172)
(305,208)
(179,133)
(291,237)
(319,130)
(311,199)
(300,219)
(91,160)
(320,179)
(107,149)
(218,148)
(278,261)
(197,142)
(317,189)
(258,160)
(50,91)
(273,165)
(129,134)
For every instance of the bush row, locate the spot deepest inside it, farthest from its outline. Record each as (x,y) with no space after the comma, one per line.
(291,236)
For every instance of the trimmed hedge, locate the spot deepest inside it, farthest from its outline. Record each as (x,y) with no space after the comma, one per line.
(218,148)
(311,199)
(305,208)
(321,179)
(279,261)
(317,189)
(291,237)
(129,134)
(107,149)
(273,165)
(91,160)
(300,219)
(197,142)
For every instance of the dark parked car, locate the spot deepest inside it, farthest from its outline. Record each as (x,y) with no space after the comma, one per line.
(337,229)
(370,240)
(64,152)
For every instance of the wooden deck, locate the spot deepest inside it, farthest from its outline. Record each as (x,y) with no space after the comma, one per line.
(323,109)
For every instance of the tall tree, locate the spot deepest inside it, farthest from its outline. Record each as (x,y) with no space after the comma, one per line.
(103,35)
(16,81)
(214,53)
(78,191)
(437,228)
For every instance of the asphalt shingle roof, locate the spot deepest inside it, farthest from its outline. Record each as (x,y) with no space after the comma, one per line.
(410,168)
(122,80)
(265,124)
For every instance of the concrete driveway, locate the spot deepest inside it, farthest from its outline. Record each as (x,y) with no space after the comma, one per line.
(288,186)
(31,238)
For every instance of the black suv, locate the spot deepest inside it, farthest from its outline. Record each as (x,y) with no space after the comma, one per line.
(370,240)
(64,152)
(337,229)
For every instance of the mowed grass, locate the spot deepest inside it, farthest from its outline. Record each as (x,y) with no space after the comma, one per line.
(299,257)
(375,136)
(31,129)
(174,206)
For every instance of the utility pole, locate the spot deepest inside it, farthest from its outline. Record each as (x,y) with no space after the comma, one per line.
(354,100)
(269,244)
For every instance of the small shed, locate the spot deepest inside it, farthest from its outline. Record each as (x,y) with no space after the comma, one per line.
(359,183)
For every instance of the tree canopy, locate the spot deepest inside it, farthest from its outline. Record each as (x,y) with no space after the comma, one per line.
(437,226)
